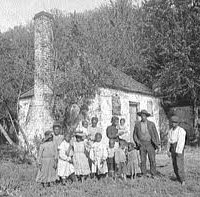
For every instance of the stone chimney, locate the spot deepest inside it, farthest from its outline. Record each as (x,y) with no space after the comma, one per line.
(43,71)
(36,114)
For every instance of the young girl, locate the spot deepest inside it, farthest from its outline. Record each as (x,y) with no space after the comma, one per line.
(120,159)
(65,166)
(133,161)
(47,161)
(98,155)
(81,165)
(111,158)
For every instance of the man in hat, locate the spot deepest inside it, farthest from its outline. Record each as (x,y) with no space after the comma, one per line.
(176,143)
(146,138)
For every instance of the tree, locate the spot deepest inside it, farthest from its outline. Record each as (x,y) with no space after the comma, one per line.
(169,45)
(16,70)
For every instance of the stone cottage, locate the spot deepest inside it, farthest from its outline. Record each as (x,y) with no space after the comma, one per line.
(121,95)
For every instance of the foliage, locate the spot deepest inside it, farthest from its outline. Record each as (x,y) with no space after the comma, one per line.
(16,66)
(170,47)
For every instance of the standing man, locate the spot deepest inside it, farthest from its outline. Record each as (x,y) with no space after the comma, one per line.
(112,130)
(176,143)
(146,138)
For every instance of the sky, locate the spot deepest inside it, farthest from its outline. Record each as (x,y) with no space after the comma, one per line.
(20,12)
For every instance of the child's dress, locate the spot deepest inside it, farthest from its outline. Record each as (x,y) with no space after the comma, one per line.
(65,166)
(132,163)
(120,160)
(81,165)
(98,155)
(46,157)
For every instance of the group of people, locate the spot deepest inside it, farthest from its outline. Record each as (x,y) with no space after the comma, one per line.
(82,154)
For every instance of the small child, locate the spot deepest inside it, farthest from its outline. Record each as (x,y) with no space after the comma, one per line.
(47,161)
(57,134)
(80,160)
(111,158)
(123,131)
(120,160)
(85,127)
(65,166)
(98,155)
(133,161)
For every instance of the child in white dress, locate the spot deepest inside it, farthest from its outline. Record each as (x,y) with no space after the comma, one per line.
(80,160)
(98,155)
(65,153)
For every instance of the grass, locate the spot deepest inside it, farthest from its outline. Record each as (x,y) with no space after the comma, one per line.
(19,180)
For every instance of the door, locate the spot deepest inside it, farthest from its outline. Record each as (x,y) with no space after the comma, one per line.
(133,109)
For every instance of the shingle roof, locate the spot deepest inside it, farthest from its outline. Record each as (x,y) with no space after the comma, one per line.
(115,79)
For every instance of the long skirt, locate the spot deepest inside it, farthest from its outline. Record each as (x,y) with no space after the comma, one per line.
(47,173)
(81,164)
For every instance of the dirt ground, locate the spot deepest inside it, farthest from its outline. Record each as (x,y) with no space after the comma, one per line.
(19,180)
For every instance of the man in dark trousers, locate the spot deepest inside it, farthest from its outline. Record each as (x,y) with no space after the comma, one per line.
(176,144)
(146,138)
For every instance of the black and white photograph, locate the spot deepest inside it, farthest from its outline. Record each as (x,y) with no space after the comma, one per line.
(99,98)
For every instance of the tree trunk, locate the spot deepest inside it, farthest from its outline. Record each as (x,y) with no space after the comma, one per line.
(13,124)
(6,136)
(24,137)
(196,117)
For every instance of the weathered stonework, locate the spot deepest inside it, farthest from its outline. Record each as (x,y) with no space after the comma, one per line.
(102,108)
(39,112)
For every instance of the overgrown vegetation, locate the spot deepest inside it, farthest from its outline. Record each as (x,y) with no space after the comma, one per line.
(156,44)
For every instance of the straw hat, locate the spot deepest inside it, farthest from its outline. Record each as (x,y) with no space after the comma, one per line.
(143,112)
(175,119)
(57,124)
(48,134)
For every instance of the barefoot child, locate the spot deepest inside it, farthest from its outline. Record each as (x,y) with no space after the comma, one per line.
(65,166)
(120,159)
(133,161)
(47,161)
(80,160)
(98,155)
(111,158)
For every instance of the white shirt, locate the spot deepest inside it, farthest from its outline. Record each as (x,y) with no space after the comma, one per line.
(177,135)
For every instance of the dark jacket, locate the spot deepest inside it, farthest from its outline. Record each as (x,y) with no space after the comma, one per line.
(112,132)
(152,131)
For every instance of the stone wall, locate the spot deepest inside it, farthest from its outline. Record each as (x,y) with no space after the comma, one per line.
(102,107)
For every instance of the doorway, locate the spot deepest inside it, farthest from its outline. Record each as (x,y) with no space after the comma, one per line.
(133,109)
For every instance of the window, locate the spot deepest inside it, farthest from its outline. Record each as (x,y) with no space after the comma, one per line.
(116,105)
(150,107)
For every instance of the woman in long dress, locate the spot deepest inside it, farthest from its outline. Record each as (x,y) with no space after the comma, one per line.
(47,160)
